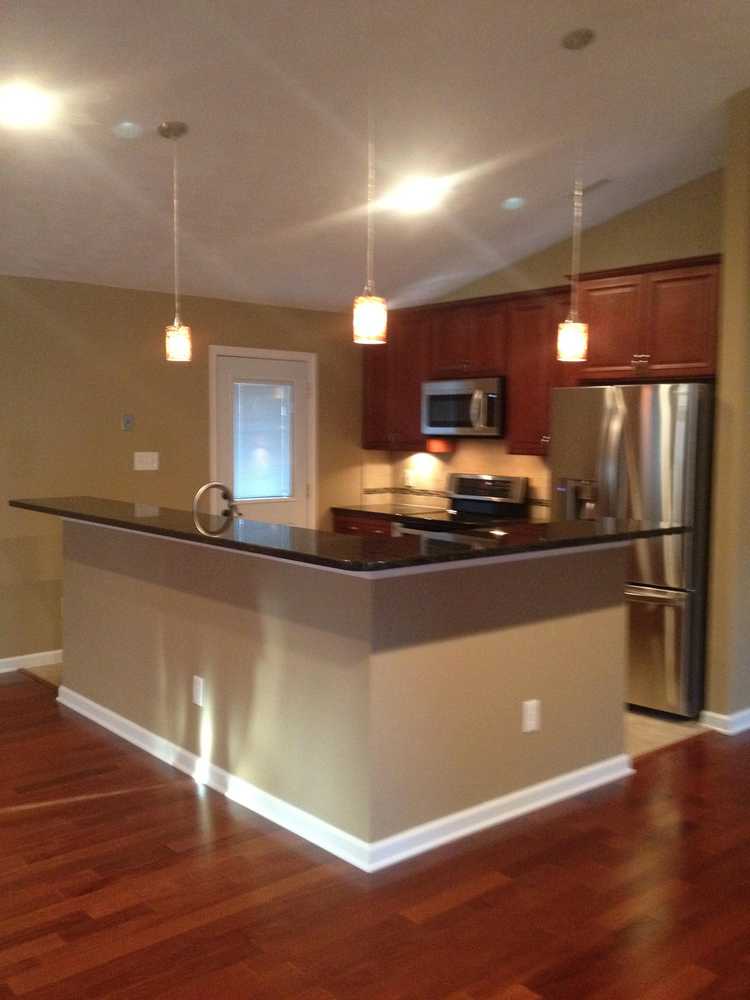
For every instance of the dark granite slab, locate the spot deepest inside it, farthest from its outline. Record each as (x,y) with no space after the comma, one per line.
(355,553)
(388,511)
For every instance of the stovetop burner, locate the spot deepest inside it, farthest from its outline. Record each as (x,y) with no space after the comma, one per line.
(477,502)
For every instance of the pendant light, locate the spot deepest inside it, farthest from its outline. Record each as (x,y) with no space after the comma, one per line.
(178,343)
(573,335)
(370,310)
(370,315)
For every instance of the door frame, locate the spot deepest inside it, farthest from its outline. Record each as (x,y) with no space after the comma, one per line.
(310,360)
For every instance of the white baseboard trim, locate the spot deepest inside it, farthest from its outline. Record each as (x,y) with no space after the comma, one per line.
(730,725)
(368,856)
(9,663)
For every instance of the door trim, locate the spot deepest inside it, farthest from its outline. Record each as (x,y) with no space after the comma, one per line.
(311,361)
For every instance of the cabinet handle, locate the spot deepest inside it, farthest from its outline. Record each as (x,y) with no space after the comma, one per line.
(640,360)
(545,439)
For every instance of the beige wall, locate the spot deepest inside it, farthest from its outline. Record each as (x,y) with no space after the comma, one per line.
(685,222)
(454,655)
(729,604)
(75,358)
(372,704)
(283,649)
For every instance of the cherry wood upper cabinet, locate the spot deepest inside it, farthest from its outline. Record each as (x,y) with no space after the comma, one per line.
(375,394)
(408,351)
(682,308)
(468,340)
(653,324)
(532,369)
(392,384)
(614,311)
(645,324)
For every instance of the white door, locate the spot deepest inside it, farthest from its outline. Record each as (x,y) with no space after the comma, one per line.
(264,431)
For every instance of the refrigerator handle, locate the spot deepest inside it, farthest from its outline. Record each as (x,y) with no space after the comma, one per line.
(609,454)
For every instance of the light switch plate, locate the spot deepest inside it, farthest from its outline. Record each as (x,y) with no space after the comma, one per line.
(146,461)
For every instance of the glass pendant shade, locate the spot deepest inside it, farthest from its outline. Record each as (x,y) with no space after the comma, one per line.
(178,342)
(572,340)
(370,319)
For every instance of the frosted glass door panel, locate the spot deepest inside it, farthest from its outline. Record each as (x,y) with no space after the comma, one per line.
(263,446)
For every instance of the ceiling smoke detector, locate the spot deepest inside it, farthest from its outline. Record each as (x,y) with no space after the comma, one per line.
(578,39)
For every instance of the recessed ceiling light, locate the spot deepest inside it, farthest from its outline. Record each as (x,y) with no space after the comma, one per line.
(514,203)
(24,106)
(418,194)
(579,38)
(127,130)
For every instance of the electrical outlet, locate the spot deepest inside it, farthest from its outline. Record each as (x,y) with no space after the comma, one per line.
(146,461)
(199,691)
(531,716)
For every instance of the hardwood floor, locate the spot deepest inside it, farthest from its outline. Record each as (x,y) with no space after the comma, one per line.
(120,878)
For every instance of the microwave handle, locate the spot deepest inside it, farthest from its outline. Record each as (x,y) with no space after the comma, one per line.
(478,409)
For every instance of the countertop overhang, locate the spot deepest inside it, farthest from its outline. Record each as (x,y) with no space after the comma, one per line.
(349,553)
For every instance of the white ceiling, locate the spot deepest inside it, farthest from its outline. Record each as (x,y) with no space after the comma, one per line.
(274,165)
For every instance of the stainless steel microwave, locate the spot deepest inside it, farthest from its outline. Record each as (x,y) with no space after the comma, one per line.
(467,407)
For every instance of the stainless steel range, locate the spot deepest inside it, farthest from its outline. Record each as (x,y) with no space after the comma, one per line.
(476,502)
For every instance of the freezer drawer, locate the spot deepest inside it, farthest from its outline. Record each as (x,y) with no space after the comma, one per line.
(659,649)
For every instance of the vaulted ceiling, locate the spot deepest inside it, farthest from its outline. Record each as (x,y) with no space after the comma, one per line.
(274,165)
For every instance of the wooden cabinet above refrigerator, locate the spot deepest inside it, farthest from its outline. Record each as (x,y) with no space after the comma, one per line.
(657,323)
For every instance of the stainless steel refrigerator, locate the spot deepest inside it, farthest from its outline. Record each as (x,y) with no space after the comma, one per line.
(643,452)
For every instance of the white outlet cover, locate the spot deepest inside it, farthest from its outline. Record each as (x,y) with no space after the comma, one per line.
(531,716)
(146,461)
(199,689)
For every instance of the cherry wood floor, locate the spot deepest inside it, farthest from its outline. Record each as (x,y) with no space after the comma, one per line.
(119,877)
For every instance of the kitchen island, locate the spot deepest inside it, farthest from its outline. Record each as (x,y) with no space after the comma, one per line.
(364,692)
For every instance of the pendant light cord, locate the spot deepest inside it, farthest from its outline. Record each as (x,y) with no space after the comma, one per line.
(370,286)
(176,234)
(370,260)
(575,262)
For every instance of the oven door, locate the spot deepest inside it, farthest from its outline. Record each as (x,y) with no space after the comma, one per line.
(463,408)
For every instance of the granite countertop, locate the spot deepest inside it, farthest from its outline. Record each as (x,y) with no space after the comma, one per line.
(351,553)
(389,511)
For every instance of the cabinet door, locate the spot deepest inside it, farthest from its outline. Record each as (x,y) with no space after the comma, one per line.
(468,340)
(532,329)
(408,356)
(614,311)
(375,396)
(682,308)
(346,524)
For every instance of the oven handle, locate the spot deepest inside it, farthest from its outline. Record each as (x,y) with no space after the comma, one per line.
(654,595)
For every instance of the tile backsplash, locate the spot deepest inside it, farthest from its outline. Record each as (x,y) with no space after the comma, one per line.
(422,471)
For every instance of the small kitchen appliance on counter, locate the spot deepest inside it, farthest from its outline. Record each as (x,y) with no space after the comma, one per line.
(642,452)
